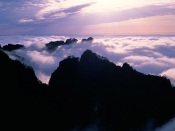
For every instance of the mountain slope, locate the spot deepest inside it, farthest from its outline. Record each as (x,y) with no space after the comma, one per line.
(83,92)
(113,97)
(22,93)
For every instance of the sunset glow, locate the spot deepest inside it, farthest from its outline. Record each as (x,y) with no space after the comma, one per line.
(87,16)
(152,25)
(88,65)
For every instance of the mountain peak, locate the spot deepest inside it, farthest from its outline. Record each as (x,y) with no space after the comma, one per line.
(90,39)
(70,41)
(90,56)
(11,47)
(127,67)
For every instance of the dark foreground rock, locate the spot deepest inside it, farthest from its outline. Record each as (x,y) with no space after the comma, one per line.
(83,92)
(94,90)
(22,94)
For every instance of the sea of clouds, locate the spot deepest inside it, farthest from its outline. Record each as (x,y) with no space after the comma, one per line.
(147,54)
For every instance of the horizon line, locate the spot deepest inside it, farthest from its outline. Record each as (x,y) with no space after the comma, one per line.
(88,35)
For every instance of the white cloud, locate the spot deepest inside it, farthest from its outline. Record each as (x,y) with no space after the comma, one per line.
(49,7)
(170,73)
(26,20)
(60,15)
(40,57)
(57,9)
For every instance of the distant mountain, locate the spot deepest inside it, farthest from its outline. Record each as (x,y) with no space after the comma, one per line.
(83,92)
(51,46)
(11,47)
(90,39)
(54,44)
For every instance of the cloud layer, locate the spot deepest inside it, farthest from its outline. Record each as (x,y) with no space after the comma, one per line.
(150,55)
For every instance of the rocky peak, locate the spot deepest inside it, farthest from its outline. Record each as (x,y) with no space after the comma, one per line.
(11,47)
(90,39)
(70,41)
(127,67)
(54,44)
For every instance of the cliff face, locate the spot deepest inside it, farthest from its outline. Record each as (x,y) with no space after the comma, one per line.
(20,88)
(84,91)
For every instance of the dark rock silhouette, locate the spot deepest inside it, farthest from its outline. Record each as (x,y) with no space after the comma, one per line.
(90,39)
(82,92)
(93,89)
(54,44)
(11,47)
(22,95)
(70,41)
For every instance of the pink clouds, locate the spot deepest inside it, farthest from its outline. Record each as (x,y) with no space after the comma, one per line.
(41,57)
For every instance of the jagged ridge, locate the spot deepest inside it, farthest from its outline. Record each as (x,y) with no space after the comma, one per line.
(84,91)
(11,47)
(122,98)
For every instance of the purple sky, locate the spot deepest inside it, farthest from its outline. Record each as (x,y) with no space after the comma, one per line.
(86,17)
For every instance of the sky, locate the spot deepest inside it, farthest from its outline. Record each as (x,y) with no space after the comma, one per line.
(87,17)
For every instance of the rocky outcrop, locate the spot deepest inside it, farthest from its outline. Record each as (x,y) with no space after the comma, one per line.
(52,46)
(90,40)
(11,47)
(70,41)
